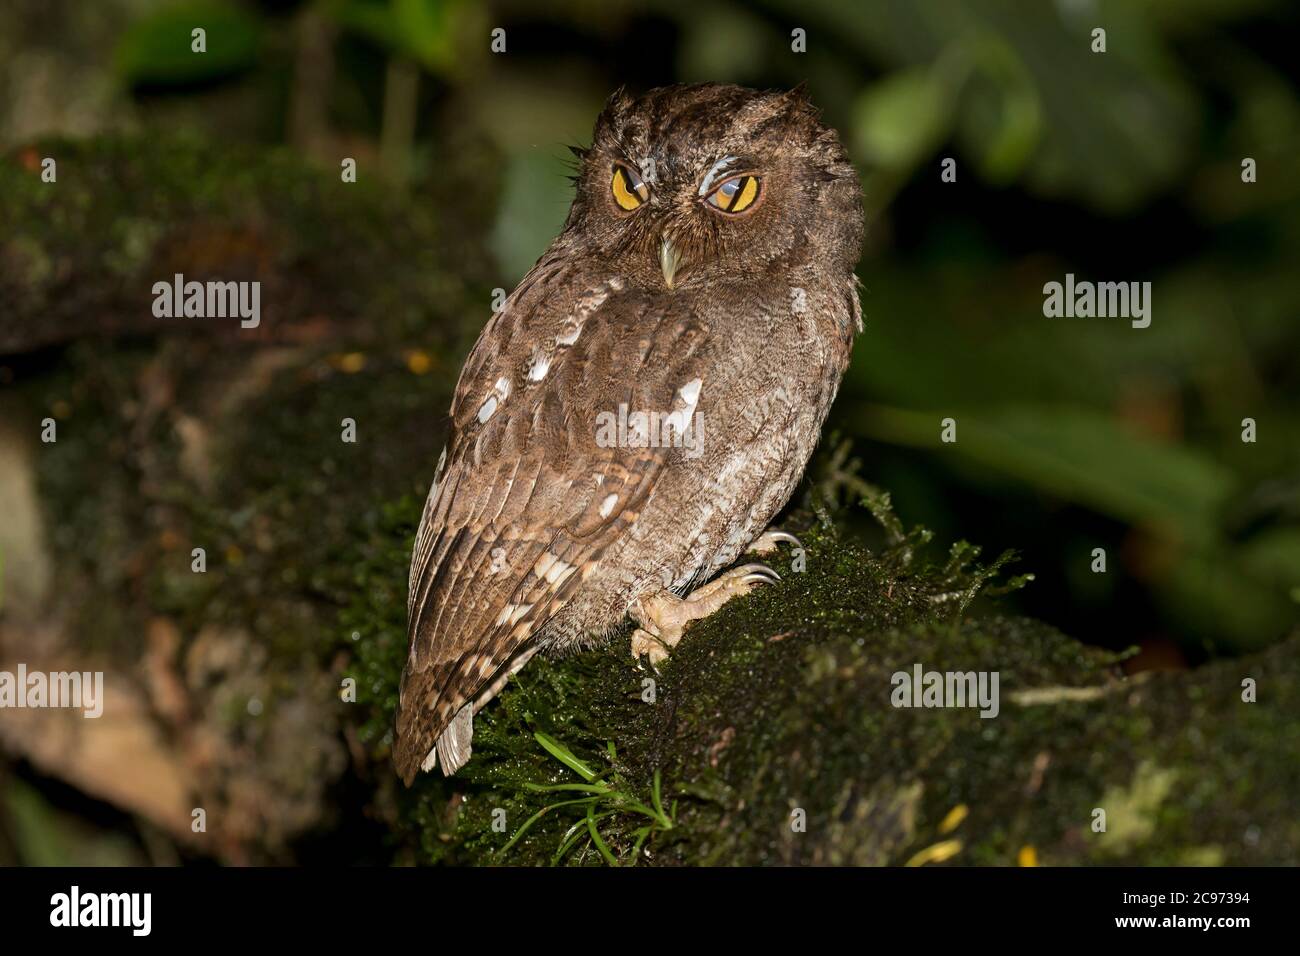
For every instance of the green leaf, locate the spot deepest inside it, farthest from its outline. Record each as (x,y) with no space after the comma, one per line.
(903,118)
(1014,125)
(1116,127)
(157,49)
(1077,455)
(601,845)
(565,756)
(376,20)
(424,30)
(425,27)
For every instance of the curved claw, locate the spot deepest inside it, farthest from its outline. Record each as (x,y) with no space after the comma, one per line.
(756,569)
(784,537)
(769,541)
(756,574)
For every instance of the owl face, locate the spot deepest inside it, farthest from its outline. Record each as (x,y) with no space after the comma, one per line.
(688,186)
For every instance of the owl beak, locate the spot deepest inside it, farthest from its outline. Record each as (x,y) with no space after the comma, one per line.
(669,259)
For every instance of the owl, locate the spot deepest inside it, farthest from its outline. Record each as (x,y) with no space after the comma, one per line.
(641,406)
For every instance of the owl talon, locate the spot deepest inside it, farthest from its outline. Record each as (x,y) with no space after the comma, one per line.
(747,574)
(645,644)
(768,541)
(664,617)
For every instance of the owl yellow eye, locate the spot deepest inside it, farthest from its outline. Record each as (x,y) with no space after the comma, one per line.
(736,194)
(629,191)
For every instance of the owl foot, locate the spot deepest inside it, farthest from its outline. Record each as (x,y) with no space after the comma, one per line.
(663,617)
(767,542)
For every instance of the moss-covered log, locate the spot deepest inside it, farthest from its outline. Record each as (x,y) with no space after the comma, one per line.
(782,703)
(771,731)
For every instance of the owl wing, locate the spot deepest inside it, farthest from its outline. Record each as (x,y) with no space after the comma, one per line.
(529,499)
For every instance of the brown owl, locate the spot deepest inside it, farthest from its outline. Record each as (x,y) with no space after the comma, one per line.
(641,406)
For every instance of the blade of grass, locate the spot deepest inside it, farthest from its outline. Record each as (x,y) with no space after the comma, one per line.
(656,794)
(597,839)
(575,833)
(541,813)
(641,835)
(579,787)
(565,756)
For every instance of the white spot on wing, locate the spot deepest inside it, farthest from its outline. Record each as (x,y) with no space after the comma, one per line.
(555,570)
(544,564)
(690,392)
(437,474)
(489,407)
(607,505)
(540,365)
(511,613)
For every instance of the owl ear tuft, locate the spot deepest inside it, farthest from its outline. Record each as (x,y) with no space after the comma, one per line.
(611,115)
(619,100)
(797,102)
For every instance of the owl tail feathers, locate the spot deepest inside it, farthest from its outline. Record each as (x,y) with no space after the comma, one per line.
(452,749)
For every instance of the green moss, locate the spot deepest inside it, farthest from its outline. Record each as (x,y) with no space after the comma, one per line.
(781,702)
(211,439)
(126,213)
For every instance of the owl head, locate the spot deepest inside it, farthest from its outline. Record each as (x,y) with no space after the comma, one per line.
(687,186)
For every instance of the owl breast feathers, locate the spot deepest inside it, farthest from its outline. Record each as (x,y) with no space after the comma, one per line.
(644,402)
